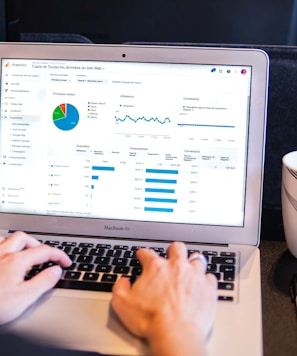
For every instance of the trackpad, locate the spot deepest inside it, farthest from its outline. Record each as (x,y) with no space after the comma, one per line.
(78,320)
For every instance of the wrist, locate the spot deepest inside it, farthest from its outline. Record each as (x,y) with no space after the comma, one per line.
(176,338)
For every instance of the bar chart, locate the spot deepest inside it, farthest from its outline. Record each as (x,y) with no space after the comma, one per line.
(158,198)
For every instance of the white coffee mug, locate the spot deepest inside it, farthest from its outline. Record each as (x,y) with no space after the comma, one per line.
(289,200)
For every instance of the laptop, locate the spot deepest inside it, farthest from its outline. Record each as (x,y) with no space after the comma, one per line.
(108,148)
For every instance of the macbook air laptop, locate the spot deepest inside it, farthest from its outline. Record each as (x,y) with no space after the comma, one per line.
(108,148)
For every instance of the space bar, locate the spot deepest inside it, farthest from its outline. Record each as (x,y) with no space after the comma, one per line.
(82,285)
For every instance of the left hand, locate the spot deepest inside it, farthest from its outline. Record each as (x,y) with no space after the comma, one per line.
(18,253)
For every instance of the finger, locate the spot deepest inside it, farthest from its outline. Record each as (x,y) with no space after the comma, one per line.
(18,241)
(124,306)
(198,261)
(122,286)
(119,294)
(146,256)
(42,254)
(29,291)
(212,280)
(177,250)
(41,283)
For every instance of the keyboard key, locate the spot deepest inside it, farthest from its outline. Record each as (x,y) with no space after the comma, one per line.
(70,244)
(227,268)
(226,286)
(229,276)
(71,268)
(97,251)
(105,246)
(86,244)
(134,262)
(136,271)
(223,260)
(120,261)
(135,248)
(72,275)
(51,243)
(84,285)
(121,270)
(85,259)
(129,254)
(102,260)
(225,298)
(103,268)
(114,253)
(228,254)
(85,267)
(210,253)
(80,251)
(120,247)
(66,249)
(109,278)
(90,276)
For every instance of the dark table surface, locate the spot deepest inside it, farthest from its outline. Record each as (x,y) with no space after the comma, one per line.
(278,266)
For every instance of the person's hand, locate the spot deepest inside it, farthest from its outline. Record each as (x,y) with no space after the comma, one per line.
(18,253)
(172,304)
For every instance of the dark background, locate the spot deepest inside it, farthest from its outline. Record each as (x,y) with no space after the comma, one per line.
(117,21)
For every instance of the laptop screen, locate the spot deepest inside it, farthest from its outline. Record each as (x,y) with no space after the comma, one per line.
(161,142)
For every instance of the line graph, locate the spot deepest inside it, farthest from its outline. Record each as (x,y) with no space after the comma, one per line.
(207,125)
(143,119)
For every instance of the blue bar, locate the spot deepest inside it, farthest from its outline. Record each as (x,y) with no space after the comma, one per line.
(157,190)
(165,171)
(159,210)
(161,200)
(95,177)
(166,181)
(102,168)
(92,186)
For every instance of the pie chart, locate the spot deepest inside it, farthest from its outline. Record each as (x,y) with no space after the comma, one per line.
(65,117)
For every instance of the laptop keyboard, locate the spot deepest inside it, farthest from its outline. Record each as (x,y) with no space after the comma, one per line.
(97,267)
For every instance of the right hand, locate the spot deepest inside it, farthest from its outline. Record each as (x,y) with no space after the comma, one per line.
(170,293)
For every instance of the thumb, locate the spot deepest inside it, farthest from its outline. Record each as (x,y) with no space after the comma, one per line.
(119,294)
(42,282)
(29,292)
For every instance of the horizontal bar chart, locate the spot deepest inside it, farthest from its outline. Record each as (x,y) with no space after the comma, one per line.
(163,181)
(159,190)
(161,171)
(102,168)
(160,200)
(159,210)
